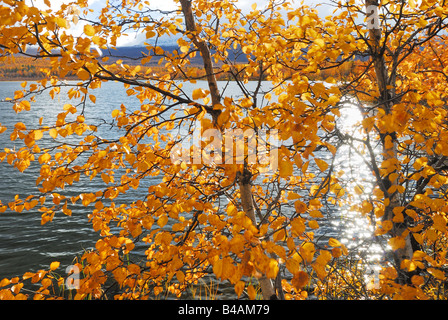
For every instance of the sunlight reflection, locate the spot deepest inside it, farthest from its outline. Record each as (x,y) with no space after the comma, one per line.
(357,232)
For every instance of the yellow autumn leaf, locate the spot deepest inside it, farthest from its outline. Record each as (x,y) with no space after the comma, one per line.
(115,113)
(316,214)
(336,252)
(439,222)
(320,42)
(358,190)
(61,22)
(300,279)
(239,288)
(54,265)
(418,237)
(298,226)
(53,133)
(279,235)
(332,242)
(300,206)
(366,207)
(313,224)
(89,30)
(198,94)
(83,75)
(322,164)
(20,126)
(307,251)
(285,169)
(251,292)
(272,269)
(217,268)
(38,134)
(180,276)
(397,243)
(105,177)
(292,265)
(293,195)
(162,221)
(25,105)
(44,158)
(4,282)
(436,273)
(417,280)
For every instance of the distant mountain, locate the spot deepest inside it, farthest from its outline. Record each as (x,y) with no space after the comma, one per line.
(132,54)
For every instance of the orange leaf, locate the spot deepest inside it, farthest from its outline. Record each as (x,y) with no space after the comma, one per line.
(397,243)
(251,292)
(439,274)
(285,169)
(89,30)
(334,243)
(162,221)
(217,268)
(293,265)
(300,206)
(239,287)
(322,164)
(38,134)
(300,279)
(298,226)
(54,265)
(26,275)
(439,222)
(198,94)
(417,280)
(307,251)
(20,126)
(180,276)
(273,269)
(313,224)
(44,158)
(53,133)
(336,252)
(83,75)
(4,282)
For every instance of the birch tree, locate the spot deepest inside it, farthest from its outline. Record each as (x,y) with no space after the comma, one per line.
(248,214)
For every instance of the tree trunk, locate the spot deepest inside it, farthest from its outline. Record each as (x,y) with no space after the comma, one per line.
(205,52)
(388,139)
(244,182)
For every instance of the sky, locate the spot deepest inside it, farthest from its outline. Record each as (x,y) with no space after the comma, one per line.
(166,5)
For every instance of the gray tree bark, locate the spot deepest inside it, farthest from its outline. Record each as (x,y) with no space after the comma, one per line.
(244,182)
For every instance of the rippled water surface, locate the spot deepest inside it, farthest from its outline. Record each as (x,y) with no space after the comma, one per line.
(26,245)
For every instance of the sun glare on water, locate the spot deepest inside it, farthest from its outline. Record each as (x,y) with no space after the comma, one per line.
(357,231)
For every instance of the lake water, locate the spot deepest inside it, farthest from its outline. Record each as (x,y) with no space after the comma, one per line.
(26,245)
